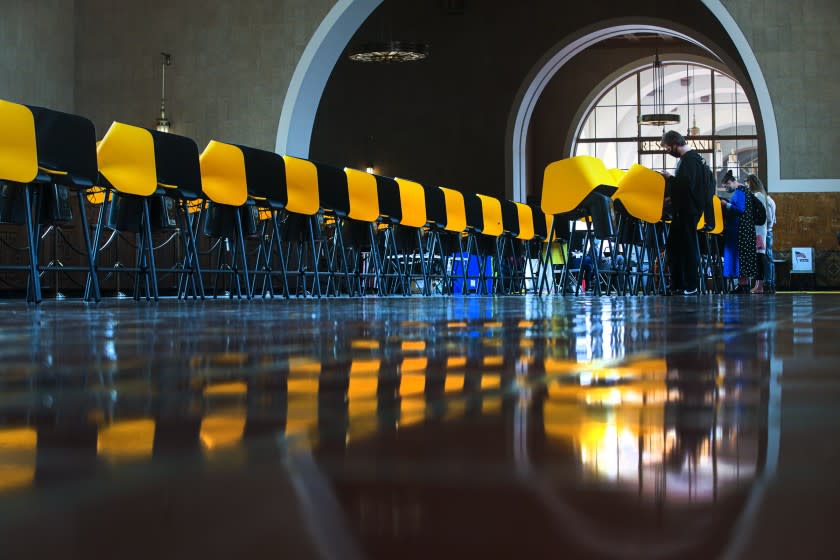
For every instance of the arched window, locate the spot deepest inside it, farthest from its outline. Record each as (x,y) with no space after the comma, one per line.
(715,117)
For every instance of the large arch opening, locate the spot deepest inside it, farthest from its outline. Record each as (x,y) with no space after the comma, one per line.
(522,177)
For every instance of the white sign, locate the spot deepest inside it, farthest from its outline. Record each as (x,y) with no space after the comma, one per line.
(802,260)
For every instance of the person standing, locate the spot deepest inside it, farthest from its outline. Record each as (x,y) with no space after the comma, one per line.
(757,188)
(686,186)
(739,234)
(770,271)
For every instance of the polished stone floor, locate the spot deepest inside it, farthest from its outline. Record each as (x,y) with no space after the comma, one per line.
(517,427)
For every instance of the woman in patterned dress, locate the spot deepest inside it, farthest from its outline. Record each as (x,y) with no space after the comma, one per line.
(739,258)
(757,188)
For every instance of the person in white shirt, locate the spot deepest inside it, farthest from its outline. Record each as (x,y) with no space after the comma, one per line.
(757,188)
(770,270)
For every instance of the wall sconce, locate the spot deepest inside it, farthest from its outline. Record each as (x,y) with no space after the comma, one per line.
(163,123)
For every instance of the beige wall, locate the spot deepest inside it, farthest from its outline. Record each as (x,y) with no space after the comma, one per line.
(37,56)
(796,45)
(231,63)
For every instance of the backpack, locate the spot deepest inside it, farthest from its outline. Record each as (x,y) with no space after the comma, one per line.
(704,200)
(759,211)
(709,197)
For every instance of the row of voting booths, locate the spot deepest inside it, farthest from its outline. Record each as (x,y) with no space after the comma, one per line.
(247,223)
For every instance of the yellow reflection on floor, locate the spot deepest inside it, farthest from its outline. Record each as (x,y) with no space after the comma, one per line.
(455,408)
(230,388)
(17,458)
(456,362)
(361,395)
(302,385)
(454,382)
(412,384)
(413,345)
(494,361)
(414,365)
(491,405)
(412,410)
(126,440)
(413,402)
(490,381)
(555,367)
(222,430)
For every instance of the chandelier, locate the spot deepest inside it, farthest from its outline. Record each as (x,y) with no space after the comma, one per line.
(391,51)
(659,117)
(384,49)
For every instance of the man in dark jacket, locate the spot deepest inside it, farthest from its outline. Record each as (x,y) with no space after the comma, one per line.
(686,186)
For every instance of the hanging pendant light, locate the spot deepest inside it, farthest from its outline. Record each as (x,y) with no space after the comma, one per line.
(659,117)
(163,123)
(694,130)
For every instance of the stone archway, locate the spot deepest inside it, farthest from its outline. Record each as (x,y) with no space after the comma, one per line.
(542,73)
(297,118)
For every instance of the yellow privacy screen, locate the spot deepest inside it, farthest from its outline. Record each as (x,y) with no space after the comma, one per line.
(567,182)
(18,152)
(126,158)
(642,192)
(223,177)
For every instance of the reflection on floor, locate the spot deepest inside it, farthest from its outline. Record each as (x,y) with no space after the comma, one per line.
(416,428)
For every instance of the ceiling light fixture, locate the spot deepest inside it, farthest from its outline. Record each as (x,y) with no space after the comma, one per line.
(391,51)
(659,117)
(384,49)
